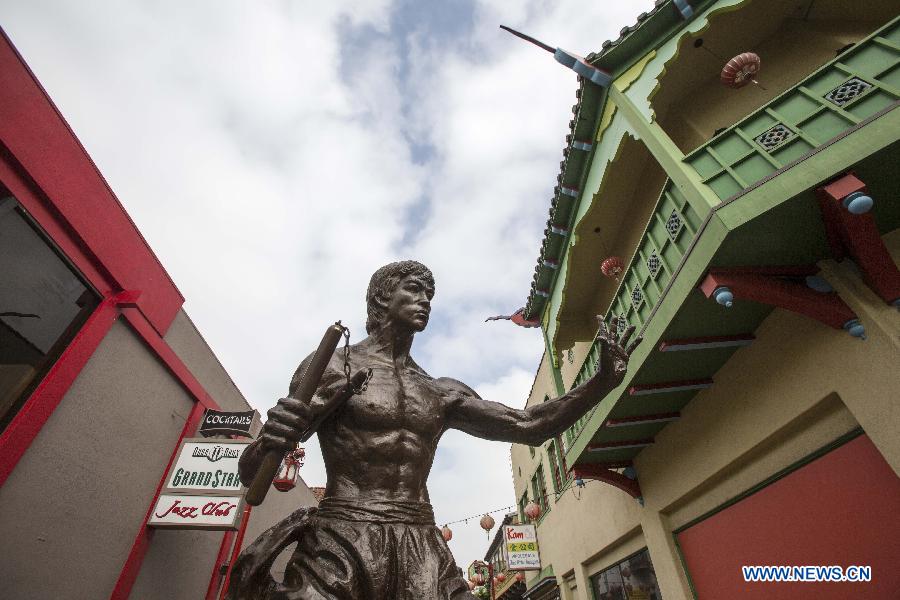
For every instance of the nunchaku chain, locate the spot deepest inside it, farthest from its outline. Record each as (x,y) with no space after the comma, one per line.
(365,383)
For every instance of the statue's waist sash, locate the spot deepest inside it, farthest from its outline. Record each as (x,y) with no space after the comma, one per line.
(376,511)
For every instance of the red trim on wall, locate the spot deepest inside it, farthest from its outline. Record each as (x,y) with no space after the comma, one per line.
(49,154)
(168,357)
(18,435)
(41,210)
(212,592)
(132,565)
(237,547)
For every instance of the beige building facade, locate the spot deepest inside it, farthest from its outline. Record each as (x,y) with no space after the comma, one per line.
(757,423)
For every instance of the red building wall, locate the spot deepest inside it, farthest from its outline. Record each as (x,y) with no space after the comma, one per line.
(839,509)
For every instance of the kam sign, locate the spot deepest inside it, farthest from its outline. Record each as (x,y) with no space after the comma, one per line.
(227,423)
(521,546)
(206,466)
(185,511)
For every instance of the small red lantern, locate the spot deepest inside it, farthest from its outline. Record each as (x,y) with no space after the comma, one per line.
(740,70)
(478,579)
(532,510)
(446,533)
(286,478)
(612,266)
(520,577)
(501,577)
(487,523)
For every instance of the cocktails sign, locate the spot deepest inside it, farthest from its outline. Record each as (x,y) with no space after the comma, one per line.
(227,423)
(521,546)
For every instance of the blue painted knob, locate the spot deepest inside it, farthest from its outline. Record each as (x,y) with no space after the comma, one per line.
(855,328)
(629,472)
(858,203)
(723,296)
(579,482)
(818,284)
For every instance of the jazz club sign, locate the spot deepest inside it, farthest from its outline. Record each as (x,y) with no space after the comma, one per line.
(202,490)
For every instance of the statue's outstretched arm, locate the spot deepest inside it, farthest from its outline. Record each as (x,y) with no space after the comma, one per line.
(468,412)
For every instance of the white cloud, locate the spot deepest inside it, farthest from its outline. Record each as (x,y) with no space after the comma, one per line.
(273,174)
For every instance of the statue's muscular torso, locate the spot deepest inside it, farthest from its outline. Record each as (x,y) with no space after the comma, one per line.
(381,443)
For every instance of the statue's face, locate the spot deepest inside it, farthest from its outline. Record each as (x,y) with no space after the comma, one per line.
(410,304)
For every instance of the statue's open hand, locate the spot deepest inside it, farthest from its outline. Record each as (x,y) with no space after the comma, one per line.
(614,354)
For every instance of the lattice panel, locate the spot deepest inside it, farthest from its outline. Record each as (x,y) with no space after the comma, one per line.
(848,91)
(773,137)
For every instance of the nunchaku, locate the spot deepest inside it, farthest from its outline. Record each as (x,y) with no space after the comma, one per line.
(309,383)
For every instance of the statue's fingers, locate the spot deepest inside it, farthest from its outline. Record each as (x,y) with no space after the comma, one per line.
(634,345)
(277,443)
(602,332)
(626,336)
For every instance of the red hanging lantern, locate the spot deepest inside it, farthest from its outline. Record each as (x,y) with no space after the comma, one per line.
(740,70)
(532,510)
(478,579)
(520,577)
(612,266)
(487,523)
(286,478)
(501,577)
(446,533)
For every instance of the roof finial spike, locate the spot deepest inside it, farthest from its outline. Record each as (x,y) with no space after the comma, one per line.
(528,38)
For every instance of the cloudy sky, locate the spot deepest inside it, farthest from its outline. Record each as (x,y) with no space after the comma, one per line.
(274,154)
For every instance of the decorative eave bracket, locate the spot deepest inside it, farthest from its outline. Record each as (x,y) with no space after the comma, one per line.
(786,287)
(851,231)
(607,475)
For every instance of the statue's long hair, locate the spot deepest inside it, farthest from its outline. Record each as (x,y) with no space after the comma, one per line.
(382,285)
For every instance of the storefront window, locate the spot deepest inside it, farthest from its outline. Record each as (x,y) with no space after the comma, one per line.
(43,303)
(631,579)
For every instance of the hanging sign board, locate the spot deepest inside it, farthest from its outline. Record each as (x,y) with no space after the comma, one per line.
(228,423)
(185,511)
(478,566)
(521,546)
(206,466)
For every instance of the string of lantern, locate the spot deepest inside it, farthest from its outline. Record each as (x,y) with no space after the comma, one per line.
(480,515)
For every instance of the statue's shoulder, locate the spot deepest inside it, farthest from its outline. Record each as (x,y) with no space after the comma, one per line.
(454,386)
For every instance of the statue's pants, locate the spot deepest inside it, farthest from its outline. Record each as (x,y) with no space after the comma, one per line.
(369,550)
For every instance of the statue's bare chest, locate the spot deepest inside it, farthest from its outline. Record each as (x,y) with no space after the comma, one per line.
(397,399)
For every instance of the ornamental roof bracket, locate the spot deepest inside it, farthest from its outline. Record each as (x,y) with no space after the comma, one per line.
(568,59)
(599,472)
